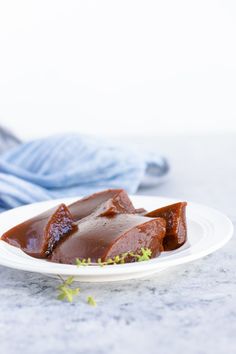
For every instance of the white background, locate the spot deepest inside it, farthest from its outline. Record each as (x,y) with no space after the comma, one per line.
(118,67)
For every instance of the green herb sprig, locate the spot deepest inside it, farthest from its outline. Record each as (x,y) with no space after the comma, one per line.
(119,259)
(83,262)
(66,292)
(144,255)
(91,301)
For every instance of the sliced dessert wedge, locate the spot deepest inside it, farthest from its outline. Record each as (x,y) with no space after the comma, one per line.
(106,237)
(109,203)
(39,235)
(176,227)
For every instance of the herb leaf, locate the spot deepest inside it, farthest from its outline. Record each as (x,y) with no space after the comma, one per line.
(145,255)
(91,301)
(82,262)
(65,290)
(69,280)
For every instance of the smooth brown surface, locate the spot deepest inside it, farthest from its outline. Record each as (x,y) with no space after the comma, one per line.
(176,227)
(105,237)
(107,225)
(109,202)
(39,235)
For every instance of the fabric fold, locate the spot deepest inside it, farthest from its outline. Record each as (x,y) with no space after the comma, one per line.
(73,165)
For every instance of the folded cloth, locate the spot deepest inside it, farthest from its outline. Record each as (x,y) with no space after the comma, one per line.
(73,165)
(7,140)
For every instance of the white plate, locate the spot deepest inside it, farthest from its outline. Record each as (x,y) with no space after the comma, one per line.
(208,230)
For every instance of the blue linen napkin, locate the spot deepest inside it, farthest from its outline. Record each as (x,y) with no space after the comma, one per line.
(7,140)
(73,165)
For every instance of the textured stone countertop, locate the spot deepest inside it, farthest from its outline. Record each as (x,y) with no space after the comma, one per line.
(187,309)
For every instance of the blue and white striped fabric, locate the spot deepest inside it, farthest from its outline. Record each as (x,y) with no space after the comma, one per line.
(72,165)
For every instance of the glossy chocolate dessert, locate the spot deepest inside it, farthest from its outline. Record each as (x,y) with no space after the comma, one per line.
(105,237)
(101,226)
(39,236)
(176,227)
(109,202)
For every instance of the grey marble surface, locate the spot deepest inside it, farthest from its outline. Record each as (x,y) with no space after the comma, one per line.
(188,309)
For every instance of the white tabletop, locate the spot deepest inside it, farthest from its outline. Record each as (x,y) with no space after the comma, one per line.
(188,309)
